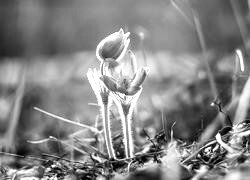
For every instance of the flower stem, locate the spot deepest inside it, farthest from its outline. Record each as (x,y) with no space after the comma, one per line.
(127,131)
(126,109)
(107,130)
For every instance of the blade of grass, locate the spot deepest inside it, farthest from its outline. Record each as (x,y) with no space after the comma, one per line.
(195,22)
(24,157)
(90,148)
(10,134)
(243,106)
(51,138)
(235,77)
(187,18)
(204,50)
(164,124)
(62,158)
(240,21)
(172,132)
(241,59)
(67,120)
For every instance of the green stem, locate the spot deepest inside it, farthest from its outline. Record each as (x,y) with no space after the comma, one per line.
(107,131)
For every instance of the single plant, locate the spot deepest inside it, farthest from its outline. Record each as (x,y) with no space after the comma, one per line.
(119,79)
(109,50)
(125,86)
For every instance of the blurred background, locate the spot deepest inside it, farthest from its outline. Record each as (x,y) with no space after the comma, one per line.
(61,27)
(46,48)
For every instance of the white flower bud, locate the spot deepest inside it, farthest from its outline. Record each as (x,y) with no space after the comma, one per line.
(137,81)
(113,46)
(109,82)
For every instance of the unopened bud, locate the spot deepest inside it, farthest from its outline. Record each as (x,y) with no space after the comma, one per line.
(133,61)
(137,81)
(109,82)
(113,46)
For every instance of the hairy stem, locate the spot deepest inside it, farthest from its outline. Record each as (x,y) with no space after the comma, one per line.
(127,131)
(126,111)
(107,130)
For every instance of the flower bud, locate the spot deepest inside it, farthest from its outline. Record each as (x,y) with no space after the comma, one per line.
(109,82)
(137,81)
(133,61)
(113,46)
(129,64)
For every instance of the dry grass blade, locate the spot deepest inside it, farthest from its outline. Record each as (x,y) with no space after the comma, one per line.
(24,157)
(164,124)
(194,21)
(89,148)
(243,105)
(235,76)
(193,155)
(39,141)
(177,5)
(240,21)
(67,120)
(240,58)
(204,50)
(72,146)
(172,132)
(51,138)
(9,136)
